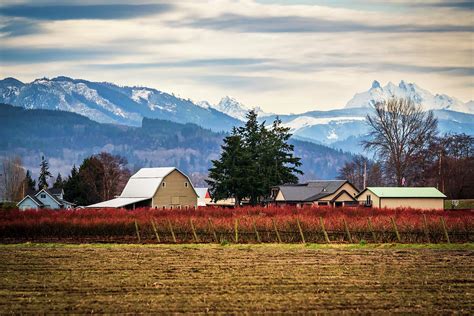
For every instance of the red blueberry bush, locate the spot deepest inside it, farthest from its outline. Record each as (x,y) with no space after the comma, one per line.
(219,225)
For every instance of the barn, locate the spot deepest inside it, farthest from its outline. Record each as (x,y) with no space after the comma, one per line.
(414,197)
(165,187)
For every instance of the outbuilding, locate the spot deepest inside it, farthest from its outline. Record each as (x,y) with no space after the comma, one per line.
(427,198)
(165,187)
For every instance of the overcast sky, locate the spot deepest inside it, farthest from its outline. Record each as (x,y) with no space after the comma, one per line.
(285,56)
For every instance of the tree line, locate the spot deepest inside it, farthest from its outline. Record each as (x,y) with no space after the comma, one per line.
(99,177)
(408,151)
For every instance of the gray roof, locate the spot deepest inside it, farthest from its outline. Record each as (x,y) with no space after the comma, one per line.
(310,191)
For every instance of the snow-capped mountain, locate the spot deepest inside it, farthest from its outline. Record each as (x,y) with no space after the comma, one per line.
(109,103)
(430,101)
(234,108)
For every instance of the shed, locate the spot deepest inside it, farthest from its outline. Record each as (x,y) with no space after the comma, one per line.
(393,197)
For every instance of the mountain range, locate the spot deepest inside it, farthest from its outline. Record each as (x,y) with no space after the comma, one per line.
(343,128)
(67,138)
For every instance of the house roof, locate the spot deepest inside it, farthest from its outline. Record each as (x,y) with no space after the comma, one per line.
(406,192)
(310,191)
(31,197)
(117,202)
(55,191)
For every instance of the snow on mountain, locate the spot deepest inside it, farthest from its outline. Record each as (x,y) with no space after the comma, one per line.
(377,94)
(305,121)
(109,103)
(234,108)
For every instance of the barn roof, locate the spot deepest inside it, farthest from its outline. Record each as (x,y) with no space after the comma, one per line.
(145,182)
(117,202)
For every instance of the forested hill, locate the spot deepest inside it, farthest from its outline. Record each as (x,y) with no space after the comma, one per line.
(66,138)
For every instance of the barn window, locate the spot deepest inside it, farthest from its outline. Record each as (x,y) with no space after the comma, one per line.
(163,184)
(185,184)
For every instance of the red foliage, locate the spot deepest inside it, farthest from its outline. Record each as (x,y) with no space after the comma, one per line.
(110,223)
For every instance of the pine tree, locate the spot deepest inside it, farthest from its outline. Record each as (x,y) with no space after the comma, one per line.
(228,178)
(44,174)
(253,160)
(71,186)
(59,183)
(30,184)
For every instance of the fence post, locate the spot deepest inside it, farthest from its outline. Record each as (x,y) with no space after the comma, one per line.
(236,228)
(211,226)
(153,224)
(445,230)
(256,232)
(369,223)
(395,229)
(171,230)
(301,231)
(138,232)
(276,231)
(196,239)
(425,226)
(326,237)
(347,230)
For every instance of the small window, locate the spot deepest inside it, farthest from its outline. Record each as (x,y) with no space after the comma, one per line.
(163,184)
(43,196)
(185,184)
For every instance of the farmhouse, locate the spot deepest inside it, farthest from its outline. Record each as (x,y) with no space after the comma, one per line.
(157,188)
(421,197)
(45,198)
(318,193)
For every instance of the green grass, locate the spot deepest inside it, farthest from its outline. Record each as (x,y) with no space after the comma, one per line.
(444,246)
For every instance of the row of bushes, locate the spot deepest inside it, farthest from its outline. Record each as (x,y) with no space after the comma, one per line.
(341,224)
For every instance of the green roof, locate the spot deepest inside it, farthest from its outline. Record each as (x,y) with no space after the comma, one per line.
(406,192)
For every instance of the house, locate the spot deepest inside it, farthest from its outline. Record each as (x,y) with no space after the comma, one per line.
(421,197)
(157,188)
(204,197)
(316,193)
(45,198)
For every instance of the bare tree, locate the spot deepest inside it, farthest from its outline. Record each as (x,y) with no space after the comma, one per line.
(13,179)
(361,172)
(115,174)
(400,134)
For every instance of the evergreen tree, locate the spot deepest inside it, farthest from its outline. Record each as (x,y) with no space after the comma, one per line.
(44,174)
(253,160)
(71,186)
(59,183)
(228,178)
(30,184)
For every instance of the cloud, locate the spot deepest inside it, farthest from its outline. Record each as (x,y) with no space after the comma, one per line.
(40,55)
(19,27)
(302,24)
(79,12)
(215,62)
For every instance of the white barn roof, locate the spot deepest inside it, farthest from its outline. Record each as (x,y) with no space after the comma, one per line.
(145,182)
(117,202)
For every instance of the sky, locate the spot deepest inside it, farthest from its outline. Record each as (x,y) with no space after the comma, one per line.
(284,56)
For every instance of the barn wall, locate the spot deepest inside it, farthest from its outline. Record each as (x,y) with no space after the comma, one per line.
(422,203)
(175,193)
